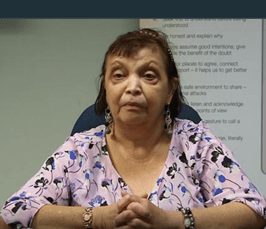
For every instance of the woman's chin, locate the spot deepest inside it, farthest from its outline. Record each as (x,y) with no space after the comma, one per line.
(133,121)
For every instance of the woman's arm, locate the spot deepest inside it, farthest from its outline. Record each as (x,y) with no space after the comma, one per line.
(51,185)
(64,217)
(232,215)
(54,216)
(3,225)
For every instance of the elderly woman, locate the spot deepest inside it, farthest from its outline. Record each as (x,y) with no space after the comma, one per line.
(146,169)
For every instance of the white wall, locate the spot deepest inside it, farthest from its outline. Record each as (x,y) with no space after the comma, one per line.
(48,72)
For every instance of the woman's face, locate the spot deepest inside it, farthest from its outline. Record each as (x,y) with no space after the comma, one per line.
(137,87)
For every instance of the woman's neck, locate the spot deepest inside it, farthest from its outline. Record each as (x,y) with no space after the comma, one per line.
(138,142)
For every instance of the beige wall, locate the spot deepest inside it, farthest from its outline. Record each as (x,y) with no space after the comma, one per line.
(48,71)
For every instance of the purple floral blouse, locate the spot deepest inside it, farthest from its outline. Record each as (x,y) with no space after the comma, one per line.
(200,171)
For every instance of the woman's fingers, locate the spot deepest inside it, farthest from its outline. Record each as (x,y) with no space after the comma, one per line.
(134,223)
(142,195)
(124,217)
(130,218)
(123,193)
(131,211)
(125,201)
(140,210)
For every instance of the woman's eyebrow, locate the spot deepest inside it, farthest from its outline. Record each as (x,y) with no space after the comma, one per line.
(117,62)
(151,63)
(116,65)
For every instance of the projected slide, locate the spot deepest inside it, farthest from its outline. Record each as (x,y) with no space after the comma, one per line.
(220,65)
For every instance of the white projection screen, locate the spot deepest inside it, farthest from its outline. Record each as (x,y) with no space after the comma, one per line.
(220,62)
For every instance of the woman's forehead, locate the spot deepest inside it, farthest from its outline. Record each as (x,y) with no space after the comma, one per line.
(129,50)
(142,54)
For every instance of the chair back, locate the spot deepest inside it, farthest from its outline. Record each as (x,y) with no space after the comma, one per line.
(89,119)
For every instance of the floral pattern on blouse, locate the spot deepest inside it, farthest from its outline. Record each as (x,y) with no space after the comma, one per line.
(200,171)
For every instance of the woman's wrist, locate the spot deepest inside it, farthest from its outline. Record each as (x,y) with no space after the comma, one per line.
(87,218)
(96,218)
(103,217)
(174,220)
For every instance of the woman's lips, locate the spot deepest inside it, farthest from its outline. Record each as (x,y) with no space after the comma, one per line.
(133,106)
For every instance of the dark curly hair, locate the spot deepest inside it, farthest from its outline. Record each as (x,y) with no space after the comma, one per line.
(129,44)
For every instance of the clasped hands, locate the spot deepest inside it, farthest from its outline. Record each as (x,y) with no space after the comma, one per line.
(138,212)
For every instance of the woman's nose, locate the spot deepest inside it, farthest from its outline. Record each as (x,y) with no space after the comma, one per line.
(134,85)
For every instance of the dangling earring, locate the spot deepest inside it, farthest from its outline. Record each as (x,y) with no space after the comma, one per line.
(109,120)
(168,120)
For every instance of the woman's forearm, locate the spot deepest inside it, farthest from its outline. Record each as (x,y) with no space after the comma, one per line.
(54,216)
(3,225)
(232,215)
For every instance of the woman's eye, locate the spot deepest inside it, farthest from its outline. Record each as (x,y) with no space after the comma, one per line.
(149,76)
(118,75)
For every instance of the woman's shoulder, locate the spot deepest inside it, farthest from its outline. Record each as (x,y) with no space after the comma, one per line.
(95,134)
(185,125)
(194,133)
(84,141)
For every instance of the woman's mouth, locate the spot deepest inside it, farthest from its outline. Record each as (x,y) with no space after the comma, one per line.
(133,106)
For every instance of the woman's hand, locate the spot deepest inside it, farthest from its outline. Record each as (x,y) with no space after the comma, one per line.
(139,212)
(103,217)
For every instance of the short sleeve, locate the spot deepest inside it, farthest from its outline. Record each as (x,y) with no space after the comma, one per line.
(222,179)
(48,186)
